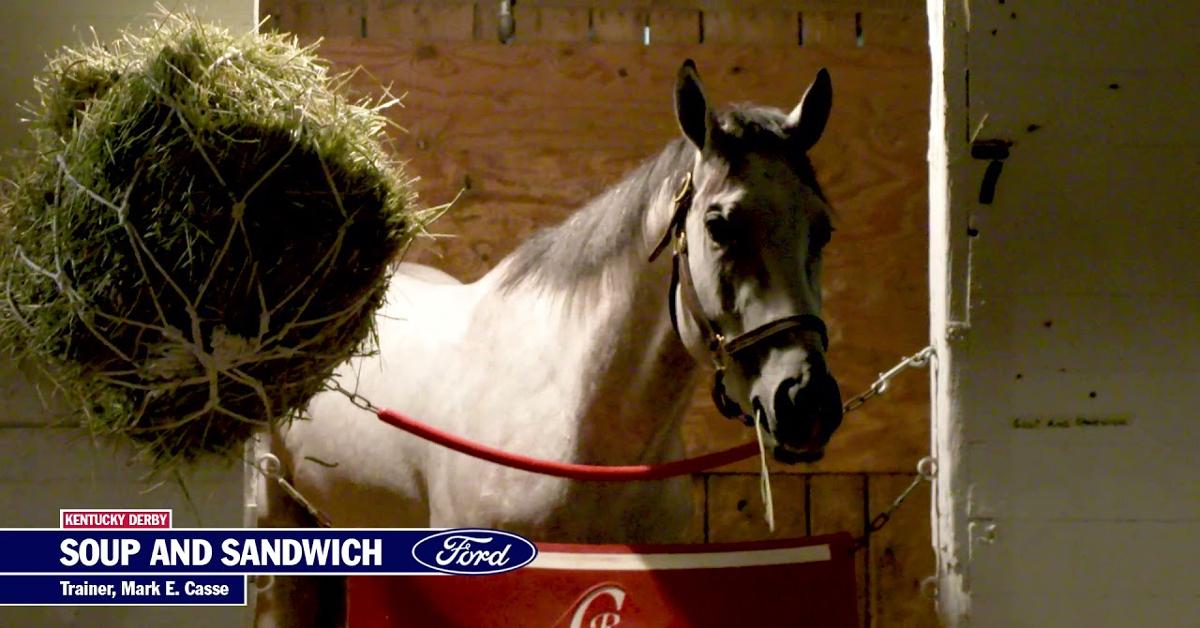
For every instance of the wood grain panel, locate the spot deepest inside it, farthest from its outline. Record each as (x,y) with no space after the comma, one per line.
(900,30)
(760,27)
(420,21)
(836,503)
(892,24)
(910,6)
(487,21)
(270,13)
(736,512)
(535,130)
(552,24)
(618,26)
(343,18)
(833,29)
(900,556)
(312,19)
(698,529)
(674,26)
(536,25)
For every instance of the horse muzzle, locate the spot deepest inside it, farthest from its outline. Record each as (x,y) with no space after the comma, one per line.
(805,416)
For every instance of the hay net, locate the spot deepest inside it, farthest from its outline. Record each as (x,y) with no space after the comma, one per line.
(200,233)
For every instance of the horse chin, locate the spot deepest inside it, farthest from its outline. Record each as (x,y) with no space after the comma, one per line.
(791,455)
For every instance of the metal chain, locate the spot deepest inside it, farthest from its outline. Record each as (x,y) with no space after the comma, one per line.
(926,470)
(916,360)
(926,467)
(272,469)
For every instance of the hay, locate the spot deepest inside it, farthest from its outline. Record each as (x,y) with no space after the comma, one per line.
(201,233)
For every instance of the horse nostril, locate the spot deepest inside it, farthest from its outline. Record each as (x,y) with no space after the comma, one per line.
(787,397)
(812,370)
(793,391)
(802,381)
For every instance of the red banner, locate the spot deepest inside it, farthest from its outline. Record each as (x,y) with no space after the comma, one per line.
(800,582)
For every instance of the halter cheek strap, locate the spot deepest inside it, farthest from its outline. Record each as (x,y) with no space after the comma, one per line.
(720,349)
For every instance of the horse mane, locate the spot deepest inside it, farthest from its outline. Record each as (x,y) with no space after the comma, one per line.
(612,223)
(606,227)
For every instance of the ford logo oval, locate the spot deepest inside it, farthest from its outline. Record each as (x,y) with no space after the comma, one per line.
(471,551)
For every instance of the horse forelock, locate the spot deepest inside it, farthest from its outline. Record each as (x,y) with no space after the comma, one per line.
(748,129)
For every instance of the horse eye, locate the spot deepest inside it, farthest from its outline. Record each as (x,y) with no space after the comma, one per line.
(720,230)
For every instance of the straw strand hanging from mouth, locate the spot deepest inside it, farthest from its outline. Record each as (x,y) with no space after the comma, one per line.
(764,483)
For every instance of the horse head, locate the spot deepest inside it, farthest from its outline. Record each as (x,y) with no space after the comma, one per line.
(750,225)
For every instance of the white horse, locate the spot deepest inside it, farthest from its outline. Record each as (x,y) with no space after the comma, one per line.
(577,348)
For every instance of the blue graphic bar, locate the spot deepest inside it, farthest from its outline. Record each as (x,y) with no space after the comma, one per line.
(94,590)
(280,551)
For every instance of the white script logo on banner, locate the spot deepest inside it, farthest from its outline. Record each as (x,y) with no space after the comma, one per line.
(605,619)
(470,551)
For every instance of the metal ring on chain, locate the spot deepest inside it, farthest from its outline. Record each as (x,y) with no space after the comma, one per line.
(927,468)
(929,587)
(269,465)
(272,468)
(262,581)
(922,358)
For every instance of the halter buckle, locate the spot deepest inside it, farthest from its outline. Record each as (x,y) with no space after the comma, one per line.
(682,201)
(684,190)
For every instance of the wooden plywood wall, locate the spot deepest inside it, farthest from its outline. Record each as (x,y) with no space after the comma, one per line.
(529,131)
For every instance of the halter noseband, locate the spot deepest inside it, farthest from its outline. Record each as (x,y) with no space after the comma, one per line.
(720,348)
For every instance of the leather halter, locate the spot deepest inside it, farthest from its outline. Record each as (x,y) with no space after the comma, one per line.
(721,349)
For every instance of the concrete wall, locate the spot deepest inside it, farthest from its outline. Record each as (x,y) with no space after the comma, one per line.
(1067,313)
(47,462)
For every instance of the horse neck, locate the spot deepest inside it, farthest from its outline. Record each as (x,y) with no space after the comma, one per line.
(641,387)
(636,377)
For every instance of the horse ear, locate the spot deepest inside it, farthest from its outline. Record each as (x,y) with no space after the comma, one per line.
(807,121)
(691,108)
